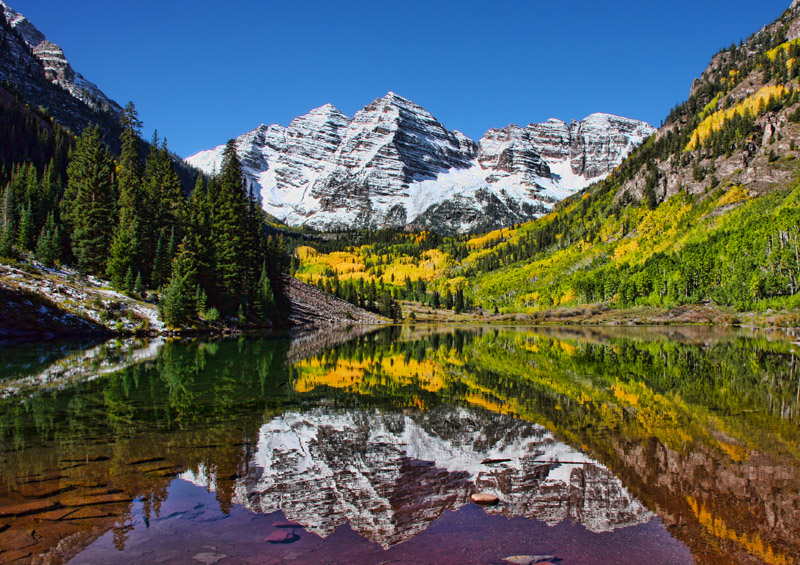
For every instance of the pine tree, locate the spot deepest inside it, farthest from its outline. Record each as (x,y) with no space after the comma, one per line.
(25,231)
(126,248)
(178,302)
(7,239)
(129,281)
(266,298)
(228,233)
(47,248)
(7,224)
(201,299)
(138,286)
(163,191)
(89,201)
(199,231)
(172,246)
(161,263)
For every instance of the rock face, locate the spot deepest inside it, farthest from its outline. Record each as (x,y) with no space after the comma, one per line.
(394,165)
(392,475)
(43,75)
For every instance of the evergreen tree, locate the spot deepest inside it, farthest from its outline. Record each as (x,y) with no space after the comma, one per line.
(178,303)
(89,201)
(265,298)
(458,303)
(47,246)
(7,239)
(124,247)
(129,281)
(199,232)
(229,234)
(161,263)
(25,231)
(138,286)
(126,252)
(163,192)
(7,225)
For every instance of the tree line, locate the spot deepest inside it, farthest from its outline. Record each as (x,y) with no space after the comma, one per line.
(203,251)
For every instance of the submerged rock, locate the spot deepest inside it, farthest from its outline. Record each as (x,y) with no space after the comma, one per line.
(484,499)
(282,537)
(531,559)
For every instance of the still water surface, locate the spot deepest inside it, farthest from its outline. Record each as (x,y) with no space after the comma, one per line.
(638,445)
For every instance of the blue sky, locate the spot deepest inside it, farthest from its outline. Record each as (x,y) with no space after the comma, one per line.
(202,72)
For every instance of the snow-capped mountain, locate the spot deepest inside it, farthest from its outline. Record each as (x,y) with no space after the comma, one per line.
(44,77)
(391,475)
(393,164)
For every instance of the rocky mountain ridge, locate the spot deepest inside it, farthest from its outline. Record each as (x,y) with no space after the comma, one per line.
(394,165)
(40,72)
(56,67)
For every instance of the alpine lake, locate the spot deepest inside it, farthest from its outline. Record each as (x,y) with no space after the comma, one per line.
(367,445)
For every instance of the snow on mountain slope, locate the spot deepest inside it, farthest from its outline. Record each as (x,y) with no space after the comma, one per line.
(395,165)
(391,475)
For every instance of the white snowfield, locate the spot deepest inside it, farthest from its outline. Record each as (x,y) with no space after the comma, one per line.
(394,164)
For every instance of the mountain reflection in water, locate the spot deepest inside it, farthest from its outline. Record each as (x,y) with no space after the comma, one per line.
(391,475)
(686,438)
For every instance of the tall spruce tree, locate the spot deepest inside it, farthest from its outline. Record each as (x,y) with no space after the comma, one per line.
(126,248)
(229,233)
(89,202)
(164,193)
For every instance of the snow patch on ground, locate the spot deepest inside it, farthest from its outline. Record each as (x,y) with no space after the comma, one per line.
(83,296)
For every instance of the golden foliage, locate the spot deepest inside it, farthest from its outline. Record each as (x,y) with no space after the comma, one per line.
(752,543)
(715,121)
(736,194)
(304,252)
(481,242)
(772,53)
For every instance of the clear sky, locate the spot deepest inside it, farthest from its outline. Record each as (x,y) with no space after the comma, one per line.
(202,72)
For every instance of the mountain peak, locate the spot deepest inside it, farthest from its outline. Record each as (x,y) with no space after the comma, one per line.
(393,164)
(326,109)
(391,95)
(23,25)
